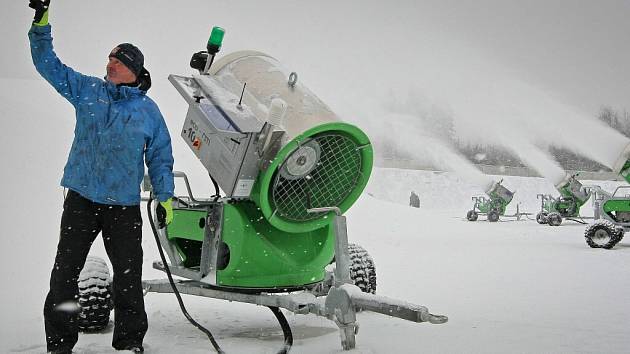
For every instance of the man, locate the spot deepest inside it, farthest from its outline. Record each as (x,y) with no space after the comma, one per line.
(414,200)
(117,127)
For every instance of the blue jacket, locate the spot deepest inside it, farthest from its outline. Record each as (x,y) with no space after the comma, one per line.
(117,128)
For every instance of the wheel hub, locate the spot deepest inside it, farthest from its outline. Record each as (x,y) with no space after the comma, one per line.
(601,237)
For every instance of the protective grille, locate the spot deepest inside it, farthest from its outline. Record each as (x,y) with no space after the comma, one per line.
(327,185)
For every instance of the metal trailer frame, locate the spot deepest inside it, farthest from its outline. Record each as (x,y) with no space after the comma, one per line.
(479,200)
(335,298)
(604,197)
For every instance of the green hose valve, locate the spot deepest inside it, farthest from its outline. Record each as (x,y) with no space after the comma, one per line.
(215,40)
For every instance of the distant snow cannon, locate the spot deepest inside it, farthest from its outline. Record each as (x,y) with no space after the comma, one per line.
(573,195)
(289,169)
(612,211)
(494,205)
(622,164)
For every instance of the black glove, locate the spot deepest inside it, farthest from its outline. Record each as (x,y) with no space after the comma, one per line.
(41,11)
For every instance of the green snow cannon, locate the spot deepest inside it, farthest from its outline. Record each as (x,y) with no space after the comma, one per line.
(573,195)
(612,212)
(279,155)
(623,168)
(494,205)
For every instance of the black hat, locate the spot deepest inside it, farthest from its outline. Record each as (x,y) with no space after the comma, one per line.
(129,55)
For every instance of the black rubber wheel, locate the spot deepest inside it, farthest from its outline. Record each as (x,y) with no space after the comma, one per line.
(95,297)
(541,218)
(493,216)
(602,234)
(554,219)
(472,215)
(620,234)
(362,269)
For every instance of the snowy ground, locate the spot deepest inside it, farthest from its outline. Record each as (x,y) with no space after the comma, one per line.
(513,286)
(507,287)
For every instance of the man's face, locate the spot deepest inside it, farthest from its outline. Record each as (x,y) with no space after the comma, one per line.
(118,73)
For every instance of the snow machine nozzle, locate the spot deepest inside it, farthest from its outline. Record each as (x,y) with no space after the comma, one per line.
(571,188)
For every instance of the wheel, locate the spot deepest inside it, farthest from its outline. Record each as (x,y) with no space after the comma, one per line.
(620,234)
(554,219)
(472,215)
(541,218)
(362,269)
(493,216)
(602,234)
(94,295)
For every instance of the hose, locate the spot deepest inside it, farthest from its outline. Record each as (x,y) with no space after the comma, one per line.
(286,329)
(282,320)
(170,280)
(217,193)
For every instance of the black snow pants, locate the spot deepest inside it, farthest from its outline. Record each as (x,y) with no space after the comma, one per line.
(121,228)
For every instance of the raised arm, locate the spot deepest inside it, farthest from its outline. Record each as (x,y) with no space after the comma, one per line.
(65,80)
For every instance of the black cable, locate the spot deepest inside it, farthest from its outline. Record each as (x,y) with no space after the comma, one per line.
(284,324)
(217,194)
(170,279)
(286,329)
(182,202)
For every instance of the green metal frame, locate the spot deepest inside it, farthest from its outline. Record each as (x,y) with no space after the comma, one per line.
(263,256)
(186,232)
(260,255)
(485,205)
(567,207)
(616,205)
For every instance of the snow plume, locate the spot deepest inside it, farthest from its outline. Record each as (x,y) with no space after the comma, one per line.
(535,158)
(406,134)
(594,140)
(512,107)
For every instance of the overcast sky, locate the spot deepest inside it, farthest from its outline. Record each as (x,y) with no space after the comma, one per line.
(575,49)
(579,47)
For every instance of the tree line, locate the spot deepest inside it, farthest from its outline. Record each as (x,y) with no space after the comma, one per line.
(439,123)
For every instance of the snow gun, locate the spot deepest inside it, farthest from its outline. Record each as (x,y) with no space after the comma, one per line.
(573,195)
(289,168)
(494,204)
(612,211)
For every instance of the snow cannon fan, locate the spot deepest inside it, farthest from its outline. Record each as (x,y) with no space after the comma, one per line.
(283,160)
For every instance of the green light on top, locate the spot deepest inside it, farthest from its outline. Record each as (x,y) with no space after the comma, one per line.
(216,37)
